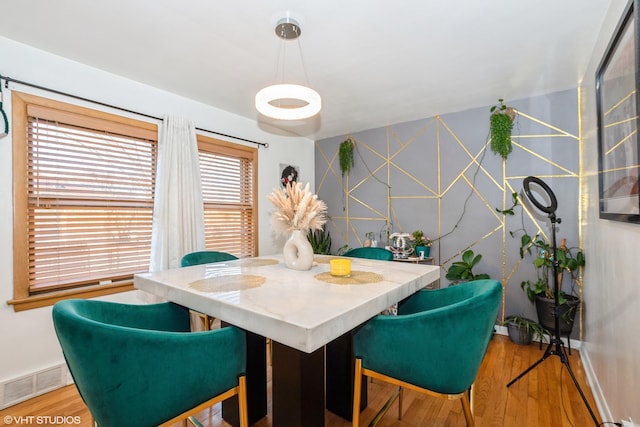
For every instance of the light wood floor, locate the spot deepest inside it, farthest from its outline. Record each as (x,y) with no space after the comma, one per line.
(545,397)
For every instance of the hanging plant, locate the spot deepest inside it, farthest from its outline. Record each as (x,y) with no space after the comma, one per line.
(501,124)
(345,154)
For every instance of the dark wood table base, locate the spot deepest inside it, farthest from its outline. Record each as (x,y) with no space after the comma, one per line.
(298,383)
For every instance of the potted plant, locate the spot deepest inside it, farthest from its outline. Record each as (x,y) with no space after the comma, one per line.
(345,155)
(501,125)
(523,330)
(462,271)
(421,243)
(542,291)
(320,240)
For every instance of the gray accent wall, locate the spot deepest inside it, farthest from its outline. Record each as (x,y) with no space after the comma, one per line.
(439,175)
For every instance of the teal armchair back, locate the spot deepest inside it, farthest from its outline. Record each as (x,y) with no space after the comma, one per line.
(370,253)
(205,257)
(139,365)
(437,341)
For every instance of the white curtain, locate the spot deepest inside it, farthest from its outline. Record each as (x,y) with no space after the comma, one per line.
(178,213)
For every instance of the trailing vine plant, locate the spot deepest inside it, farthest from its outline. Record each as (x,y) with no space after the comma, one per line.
(345,155)
(501,125)
(509,211)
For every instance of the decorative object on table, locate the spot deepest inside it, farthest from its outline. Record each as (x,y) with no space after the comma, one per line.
(421,244)
(462,271)
(340,267)
(298,210)
(401,244)
(370,240)
(288,174)
(501,125)
(356,277)
(230,283)
(522,330)
(257,262)
(617,81)
(345,155)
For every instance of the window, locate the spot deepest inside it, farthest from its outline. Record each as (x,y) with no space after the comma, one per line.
(83,199)
(228,192)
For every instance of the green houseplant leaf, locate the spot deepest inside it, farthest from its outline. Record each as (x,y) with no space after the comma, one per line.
(345,155)
(500,126)
(463,270)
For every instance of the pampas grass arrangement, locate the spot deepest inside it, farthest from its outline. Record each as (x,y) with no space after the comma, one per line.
(297,208)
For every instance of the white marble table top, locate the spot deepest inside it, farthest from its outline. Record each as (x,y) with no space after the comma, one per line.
(291,307)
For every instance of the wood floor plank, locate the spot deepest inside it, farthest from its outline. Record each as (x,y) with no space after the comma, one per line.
(546,396)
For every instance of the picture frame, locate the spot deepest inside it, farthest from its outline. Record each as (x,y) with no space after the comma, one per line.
(617,105)
(288,173)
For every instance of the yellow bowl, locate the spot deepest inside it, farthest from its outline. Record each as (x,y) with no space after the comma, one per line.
(340,267)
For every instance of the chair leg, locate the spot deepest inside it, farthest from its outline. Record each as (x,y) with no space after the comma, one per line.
(357,386)
(193,421)
(242,401)
(400,396)
(466,406)
(207,321)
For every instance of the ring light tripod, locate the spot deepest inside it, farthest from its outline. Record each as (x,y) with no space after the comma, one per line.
(556,346)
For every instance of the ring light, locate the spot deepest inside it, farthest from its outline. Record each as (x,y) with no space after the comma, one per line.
(551,208)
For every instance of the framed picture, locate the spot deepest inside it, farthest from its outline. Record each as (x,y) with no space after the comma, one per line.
(288,174)
(617,109)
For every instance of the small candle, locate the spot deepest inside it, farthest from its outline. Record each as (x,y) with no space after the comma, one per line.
(340,267)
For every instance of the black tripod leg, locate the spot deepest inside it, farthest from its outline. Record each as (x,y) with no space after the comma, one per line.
(544,356)
(565,361)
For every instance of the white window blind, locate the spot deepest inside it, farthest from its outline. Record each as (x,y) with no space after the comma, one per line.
(90,199)
(229,199)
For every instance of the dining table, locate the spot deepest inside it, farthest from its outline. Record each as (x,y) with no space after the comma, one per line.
(310,317)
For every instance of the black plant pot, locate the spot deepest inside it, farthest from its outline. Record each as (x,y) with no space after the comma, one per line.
(566,312)
(519,334)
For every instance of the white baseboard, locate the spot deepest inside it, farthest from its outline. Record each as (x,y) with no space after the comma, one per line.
(575,344)
(594,384)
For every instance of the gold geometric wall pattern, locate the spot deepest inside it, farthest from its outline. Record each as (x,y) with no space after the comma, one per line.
(439,175)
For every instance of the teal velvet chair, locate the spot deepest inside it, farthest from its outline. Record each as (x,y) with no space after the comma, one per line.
(370,253)
(139,365)
(435,344)
(205,257)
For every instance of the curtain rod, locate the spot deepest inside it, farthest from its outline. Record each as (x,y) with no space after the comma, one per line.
(9,79)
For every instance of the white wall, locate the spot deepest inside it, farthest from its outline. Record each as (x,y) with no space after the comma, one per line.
(27,339)
(611,343)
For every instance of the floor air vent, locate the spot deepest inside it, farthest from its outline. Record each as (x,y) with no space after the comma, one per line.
(24,388)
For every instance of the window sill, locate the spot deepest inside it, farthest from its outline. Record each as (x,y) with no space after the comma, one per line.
(51,298)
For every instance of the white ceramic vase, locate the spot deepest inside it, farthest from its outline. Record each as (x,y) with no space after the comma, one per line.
(297,252)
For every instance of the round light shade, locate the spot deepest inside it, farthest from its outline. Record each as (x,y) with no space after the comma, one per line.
(284,93)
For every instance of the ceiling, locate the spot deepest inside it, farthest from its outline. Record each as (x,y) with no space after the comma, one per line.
(374,62)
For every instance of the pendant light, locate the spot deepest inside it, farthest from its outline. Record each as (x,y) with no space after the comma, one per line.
(288,101)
